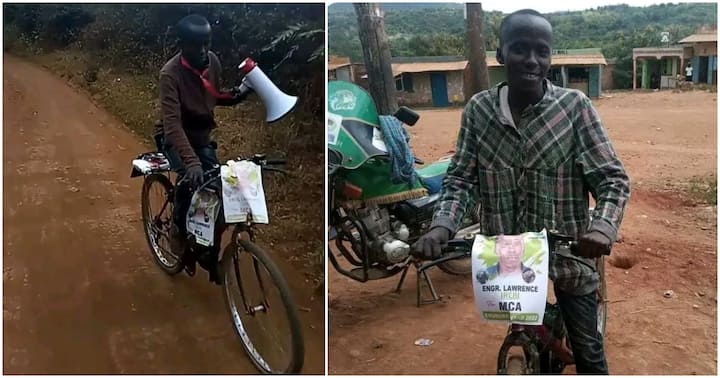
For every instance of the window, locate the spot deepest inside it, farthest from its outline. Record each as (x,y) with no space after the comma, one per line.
(404,83)
(407,82)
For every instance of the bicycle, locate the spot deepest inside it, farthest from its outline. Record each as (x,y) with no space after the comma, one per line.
(546,348)
(255,304)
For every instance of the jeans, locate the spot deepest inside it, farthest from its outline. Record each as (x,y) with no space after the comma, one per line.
(183,193)
(580,315)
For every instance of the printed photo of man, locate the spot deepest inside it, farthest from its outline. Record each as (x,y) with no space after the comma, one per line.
(509,250)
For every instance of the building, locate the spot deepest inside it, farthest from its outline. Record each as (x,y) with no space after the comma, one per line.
(436,81)
(340,68)
(660,66)
(608,74)
(701,51)
(441,81)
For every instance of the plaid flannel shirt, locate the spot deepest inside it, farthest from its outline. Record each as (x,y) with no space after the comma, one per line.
(536,175)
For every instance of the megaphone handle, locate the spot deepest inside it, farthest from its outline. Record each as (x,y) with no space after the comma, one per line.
(246,83)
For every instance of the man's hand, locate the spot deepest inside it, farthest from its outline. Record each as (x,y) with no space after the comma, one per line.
(430,245)
(194,176)
(240,92)
(593,245)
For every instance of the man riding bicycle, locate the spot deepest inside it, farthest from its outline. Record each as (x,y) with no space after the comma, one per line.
(530,153)
(189,91)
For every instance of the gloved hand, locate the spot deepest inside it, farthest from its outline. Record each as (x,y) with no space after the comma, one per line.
(240,92)
(593,245)
(194,176)
(430,245)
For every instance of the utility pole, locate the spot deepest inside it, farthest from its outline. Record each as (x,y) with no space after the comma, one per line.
(376,55)
(479,80)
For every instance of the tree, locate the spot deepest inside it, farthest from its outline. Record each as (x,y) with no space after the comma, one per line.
(479,80)
(376,55)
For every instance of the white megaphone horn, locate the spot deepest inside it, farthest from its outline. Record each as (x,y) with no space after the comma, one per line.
(277,103)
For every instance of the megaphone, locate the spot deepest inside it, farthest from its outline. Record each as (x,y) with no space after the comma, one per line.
(277,103)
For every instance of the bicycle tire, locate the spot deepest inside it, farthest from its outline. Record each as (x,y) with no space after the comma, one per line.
(228,269)
(166,266)
(529,357)
(515,365)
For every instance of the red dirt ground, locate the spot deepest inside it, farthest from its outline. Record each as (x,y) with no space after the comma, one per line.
(664,139)
(81,294)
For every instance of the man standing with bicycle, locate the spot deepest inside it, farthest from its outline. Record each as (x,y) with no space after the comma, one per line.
(189,84)
(529,153)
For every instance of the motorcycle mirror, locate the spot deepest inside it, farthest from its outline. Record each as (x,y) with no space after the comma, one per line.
(407,116)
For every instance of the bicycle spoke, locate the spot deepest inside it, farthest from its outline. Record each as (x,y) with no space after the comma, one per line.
(260,282)
(238,280)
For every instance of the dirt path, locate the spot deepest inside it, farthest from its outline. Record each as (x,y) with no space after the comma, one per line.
(662,138)
(81,293)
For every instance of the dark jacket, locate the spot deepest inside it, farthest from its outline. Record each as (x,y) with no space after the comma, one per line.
(186,107)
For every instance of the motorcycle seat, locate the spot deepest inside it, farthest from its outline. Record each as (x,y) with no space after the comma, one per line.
(432,177)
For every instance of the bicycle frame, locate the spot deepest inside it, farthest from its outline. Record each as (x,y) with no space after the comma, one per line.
(548,337)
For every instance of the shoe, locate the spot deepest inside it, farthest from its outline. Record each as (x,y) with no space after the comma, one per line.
(178,242)
(178,247)
(208,261)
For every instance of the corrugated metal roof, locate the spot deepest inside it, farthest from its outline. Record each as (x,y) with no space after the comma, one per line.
(565,60)
(557,60)
(335,62)
(336,66)
(697,38)
(426,59)
(399,68)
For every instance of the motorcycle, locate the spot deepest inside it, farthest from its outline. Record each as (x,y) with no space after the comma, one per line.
(374,221)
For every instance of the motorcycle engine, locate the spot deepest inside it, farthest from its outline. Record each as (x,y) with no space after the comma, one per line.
(387,238)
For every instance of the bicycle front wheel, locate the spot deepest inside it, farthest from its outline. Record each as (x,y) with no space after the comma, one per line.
(262,309)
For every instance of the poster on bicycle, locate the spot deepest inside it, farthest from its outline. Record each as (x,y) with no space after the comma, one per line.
(510,277)
(201,216)
(242,192)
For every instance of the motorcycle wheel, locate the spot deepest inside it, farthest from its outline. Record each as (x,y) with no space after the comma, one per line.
(462,267)
(157,226)
(459,267)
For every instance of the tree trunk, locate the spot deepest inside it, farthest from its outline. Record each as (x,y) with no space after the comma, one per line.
(479,80)
(376,55)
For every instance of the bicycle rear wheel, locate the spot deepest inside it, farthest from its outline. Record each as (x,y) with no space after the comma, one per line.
(262,309)
(157,197)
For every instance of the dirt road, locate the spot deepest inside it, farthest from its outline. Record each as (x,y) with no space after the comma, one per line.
(81,293)
(663,139)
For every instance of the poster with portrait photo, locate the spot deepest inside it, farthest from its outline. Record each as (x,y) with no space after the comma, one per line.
(510,276)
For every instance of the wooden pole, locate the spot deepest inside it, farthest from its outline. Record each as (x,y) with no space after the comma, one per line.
(479,80)
(376,55)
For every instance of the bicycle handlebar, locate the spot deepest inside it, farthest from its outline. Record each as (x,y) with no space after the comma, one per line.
(266,164)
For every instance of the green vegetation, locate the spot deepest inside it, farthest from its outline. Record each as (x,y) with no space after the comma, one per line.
(431,30)
(704,189)
(115,51)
